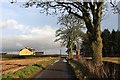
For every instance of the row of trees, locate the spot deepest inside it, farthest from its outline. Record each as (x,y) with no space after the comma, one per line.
(89,11)
(111,44)
(70,33)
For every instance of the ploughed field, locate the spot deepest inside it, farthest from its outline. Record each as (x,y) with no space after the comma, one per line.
(13,65)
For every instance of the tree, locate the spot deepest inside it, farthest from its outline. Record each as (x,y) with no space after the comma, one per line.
(118,43)
(115,42)
(86,46)
(110,41)
(70,32)
(106,42)
(90,12)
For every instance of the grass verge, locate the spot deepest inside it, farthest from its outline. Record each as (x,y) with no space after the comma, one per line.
(86,70)
(81,71)
(29,71)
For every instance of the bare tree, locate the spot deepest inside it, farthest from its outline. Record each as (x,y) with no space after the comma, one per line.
(70,33)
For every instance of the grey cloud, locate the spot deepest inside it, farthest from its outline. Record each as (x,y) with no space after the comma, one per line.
(41,39)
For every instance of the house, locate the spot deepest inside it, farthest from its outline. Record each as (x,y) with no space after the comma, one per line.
(27,51)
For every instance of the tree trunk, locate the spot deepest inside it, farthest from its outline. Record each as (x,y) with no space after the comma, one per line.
(70,52)
(95,33)
(97,44)
(78,53)
(97,49)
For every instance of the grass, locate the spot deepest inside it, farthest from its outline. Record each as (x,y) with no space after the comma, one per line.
(85,70)
(23,73)
(81,71)
(29,71)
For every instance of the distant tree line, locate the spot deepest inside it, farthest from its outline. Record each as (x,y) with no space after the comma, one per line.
(111,44)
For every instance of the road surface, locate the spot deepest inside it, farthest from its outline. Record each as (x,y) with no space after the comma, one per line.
(60,70)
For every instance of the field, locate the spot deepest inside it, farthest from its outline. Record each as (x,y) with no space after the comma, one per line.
(112,59)
(13,65)
(18,66)
(109,59)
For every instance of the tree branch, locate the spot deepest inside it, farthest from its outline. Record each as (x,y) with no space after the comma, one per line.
(116,9)
(76,14)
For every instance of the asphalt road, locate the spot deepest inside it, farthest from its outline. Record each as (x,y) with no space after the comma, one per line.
(60,70)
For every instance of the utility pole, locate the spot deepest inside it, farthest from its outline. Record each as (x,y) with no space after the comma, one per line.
(60,52)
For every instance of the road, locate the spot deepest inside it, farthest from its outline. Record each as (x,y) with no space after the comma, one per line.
(60,70)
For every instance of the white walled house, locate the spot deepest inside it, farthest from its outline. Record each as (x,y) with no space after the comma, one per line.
(27,51)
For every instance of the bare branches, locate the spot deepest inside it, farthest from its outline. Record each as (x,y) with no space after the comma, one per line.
(115,6)
(56,7)
(70,20)
(100,5)
(84,10)
(70,31)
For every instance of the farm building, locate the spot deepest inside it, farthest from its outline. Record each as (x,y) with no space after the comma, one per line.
(39,53)
(27,51)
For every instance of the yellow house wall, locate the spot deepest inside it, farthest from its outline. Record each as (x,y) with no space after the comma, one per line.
(25,52)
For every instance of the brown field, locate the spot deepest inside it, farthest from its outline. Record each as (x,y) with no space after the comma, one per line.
(12,65)
(109,59)
(112,59)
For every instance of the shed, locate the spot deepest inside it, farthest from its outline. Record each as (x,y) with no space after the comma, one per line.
(39,53)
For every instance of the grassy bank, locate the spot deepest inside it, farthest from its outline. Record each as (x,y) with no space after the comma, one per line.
(81,71)
(30,71)
(85,70)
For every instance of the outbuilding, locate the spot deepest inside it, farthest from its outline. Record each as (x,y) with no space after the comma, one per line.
(39,53)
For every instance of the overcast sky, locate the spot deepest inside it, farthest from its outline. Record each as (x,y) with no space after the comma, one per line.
(23,27)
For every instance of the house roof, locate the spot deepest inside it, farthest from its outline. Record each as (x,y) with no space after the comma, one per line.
(30,49)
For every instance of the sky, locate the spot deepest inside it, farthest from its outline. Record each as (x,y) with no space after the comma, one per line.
(26,27)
